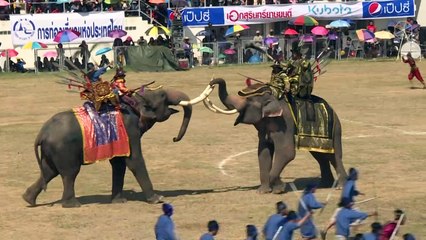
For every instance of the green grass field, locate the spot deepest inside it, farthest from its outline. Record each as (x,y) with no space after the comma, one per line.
(384,132)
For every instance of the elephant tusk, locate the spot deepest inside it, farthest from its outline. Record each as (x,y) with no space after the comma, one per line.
(198,99)
(209,105)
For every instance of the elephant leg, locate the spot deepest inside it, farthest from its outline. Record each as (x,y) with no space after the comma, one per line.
(118,171)
(68,197)
(136,164)
(265,155)
(32,192)
(324,160)
(337,161)
(284,154)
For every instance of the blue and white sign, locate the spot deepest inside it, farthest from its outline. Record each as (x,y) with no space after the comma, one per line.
(200,16)
(94,27)
(388,9)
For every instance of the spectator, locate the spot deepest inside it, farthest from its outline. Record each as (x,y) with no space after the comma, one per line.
(54,64)
(390,227)
(376,229)
(47,65)
(104,61)
(127,43)
(39,64)
(61,54)
(187,48)
(273,222)
(151,42)
(141,41)
(78,64)
(258,39)
(165,227)
(271,34)
(18,6)
(118,48)
(251,232)
(84,53)
(346,216)
(20,65)
(371,27)
(213,228)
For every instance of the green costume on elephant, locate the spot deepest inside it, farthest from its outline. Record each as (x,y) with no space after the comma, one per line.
(294,77)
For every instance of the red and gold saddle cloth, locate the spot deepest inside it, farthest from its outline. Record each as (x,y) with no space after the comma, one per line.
(104,134)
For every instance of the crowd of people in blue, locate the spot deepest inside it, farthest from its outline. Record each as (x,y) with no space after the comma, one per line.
(284,222)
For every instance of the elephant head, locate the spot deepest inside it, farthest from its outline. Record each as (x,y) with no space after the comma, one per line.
(252,108)
(153,106)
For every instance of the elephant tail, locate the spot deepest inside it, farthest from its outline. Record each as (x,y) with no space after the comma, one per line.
(39,157)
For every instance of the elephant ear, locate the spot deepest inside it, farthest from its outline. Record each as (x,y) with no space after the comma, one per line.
(272,108)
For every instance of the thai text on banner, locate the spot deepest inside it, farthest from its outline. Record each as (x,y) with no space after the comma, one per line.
(94,27)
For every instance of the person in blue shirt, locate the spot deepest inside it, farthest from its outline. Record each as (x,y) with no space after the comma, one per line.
(308,203)
(376,229)
(93,74)
(349,189)
(165,228)
(292,224)
(213,228)
(252,233)
(275,221)
(346,216)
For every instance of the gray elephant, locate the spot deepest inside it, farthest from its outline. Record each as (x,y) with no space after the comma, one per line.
(276,128)
(61,145)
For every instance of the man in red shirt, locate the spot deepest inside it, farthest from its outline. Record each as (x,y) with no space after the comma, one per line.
(390,227)
(414,70)
(371,27)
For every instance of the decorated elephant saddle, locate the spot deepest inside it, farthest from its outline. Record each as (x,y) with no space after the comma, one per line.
(314,121)
(104,133)
(255,90)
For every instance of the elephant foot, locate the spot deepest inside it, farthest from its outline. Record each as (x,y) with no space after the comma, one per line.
(119,199)
(29,198)
(71,203)
(155,198)
(278,188)
(264,189)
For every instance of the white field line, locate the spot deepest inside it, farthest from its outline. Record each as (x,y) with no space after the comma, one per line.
(231,157)
(401,131)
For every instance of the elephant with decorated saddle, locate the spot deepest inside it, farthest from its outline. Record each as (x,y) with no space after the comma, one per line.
(281,131)
(59,144)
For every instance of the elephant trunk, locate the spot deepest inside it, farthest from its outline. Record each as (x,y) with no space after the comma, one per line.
(174,98)
(231,102)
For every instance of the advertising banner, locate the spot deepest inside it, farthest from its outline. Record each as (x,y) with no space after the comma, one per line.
(230,15)
(94,27)
(388,9)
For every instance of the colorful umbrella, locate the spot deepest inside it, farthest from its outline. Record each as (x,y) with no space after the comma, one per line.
(62,1)
(206,50)
(221,56)
(67,35)
(271,40)
(11,53)
(34,45)
(4,3)
(117,33)
(103,50)
(236,28)
(205,33)
(319,30)
(303,21)
(306,38)
(290,31)
(50,54)
(229,51)
(339,24)
(384,35)
(364,35)
(157,30)
(157,1)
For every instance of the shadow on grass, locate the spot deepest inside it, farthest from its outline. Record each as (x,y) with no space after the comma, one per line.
(131,195)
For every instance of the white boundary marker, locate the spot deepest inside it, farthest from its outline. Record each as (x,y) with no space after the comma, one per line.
(231,157)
